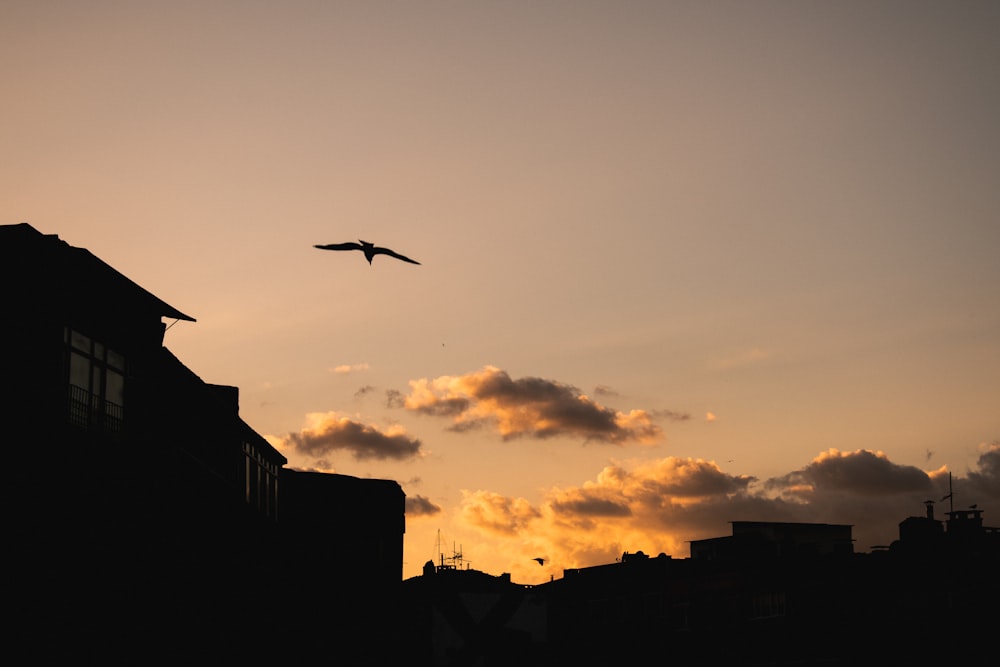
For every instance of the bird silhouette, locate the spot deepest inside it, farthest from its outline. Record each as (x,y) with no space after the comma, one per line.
(541,561)
(369,249)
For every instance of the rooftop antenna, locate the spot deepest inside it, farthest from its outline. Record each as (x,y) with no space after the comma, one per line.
(950,497)
(454,560)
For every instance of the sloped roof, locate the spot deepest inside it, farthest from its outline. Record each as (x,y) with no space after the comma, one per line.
(35,258)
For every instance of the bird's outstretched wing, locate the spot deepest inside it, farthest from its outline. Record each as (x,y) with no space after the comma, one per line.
(339,246)
(369,249)
(385,251)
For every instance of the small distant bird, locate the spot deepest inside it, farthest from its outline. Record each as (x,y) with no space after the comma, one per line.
(541,561)
(369,249)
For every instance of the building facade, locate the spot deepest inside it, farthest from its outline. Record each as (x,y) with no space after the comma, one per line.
(138,489)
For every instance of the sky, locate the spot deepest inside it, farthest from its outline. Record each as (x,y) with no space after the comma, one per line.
(681,263)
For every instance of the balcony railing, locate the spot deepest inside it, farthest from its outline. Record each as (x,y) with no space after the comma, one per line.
(93,413)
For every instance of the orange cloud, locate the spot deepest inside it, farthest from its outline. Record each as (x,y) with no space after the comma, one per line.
(527,407)
(661,505)
(330,432)
(495,513)
(349,368)
(649,507)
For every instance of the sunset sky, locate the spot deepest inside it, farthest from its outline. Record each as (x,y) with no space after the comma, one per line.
(681,263)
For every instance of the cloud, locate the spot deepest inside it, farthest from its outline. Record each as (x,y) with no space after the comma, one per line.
(865,489)
(861,472)
(683,479)
(983,486)
(363,391)
(661,505)
(394,398)
(671,415)
(586,504)
(497,514)
(527,407)
(417,506)
(349,368)
(329,433)
(653,506)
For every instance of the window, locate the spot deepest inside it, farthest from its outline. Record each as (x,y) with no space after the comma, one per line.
(767,605)
(260,481)
(96,383)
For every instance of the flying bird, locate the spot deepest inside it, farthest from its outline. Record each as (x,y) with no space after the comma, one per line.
(369,249)
(541,561)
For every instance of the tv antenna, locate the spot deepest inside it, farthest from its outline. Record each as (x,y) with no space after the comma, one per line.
(950,497)
(452,562)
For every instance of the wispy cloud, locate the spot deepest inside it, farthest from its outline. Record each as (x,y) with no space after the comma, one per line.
(394,398)
(364,391)
(330,432)
(343,369)
(672,415)
(741,359)
(527,407)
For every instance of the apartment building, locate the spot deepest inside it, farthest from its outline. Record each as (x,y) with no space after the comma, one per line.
(143,509)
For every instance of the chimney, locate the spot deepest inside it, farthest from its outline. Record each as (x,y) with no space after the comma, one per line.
(930,508)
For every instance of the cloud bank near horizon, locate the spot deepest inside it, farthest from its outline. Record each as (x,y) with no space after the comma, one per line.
(660,506)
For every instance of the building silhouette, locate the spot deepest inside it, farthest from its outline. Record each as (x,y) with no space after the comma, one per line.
(461,616)
(771,593)
(789,594)
(752,540)
(147,514)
